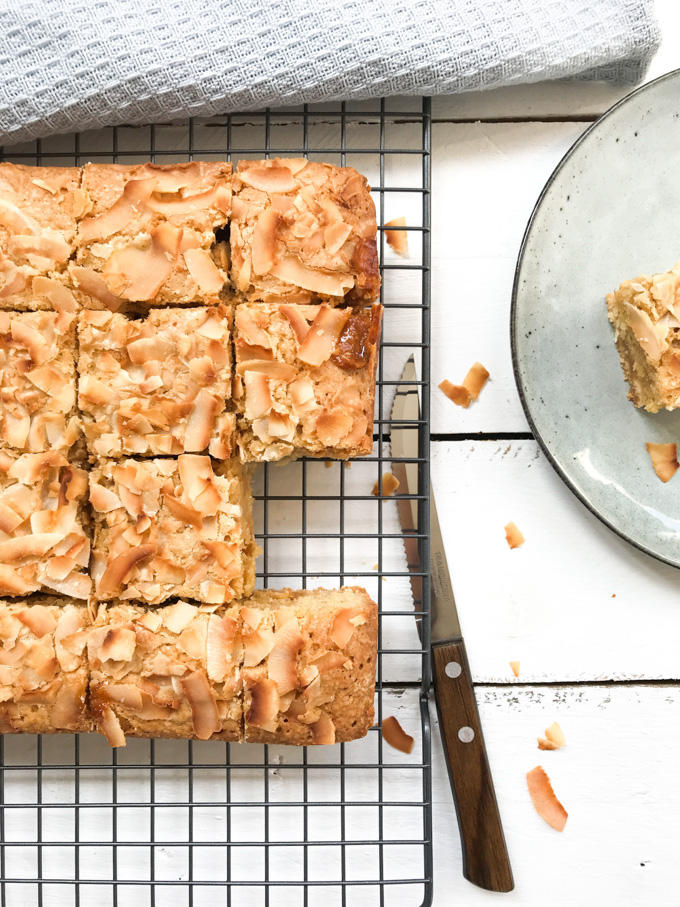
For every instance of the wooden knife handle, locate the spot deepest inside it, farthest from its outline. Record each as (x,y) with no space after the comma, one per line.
(485,855)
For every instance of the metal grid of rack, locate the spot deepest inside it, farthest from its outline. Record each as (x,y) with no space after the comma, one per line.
(191,823)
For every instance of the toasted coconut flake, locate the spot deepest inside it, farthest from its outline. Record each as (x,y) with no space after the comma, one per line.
(109,725)
(514,667)
(543,797)
(220,646)
(12,583)
(48,187)
(456,393)
(302,394)
(203,270)
(136,272)
(178,616)
(92,283)
(282,661)
(119,568)
(397,239)
(59,295)
(130,205)
(646,334)
(555,735)
(342,627)
(152,620)
(323,730)
(118,644)
(322,336)
(264,240)
(475,380)
(333,427)
(335,236)
(28,546)
(264,704)
(390,484)
(329,661)
(664,459)
(394,734)
(206,719)
(183,512)
(103,499)
(277,178)
(249,330)
(9,519)
(258,396)
(53,248)
(16,220)
(328,283)
(297,321)
(544,744)
(123,693)
(201,421)
(281,427)
(39,620)
(280,371)
(67,710)
(257,644)
(513,536)
(193,641)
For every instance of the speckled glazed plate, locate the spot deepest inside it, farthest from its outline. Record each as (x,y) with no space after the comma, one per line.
(610,211)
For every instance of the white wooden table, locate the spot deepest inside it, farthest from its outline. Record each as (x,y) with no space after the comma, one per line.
(594,622)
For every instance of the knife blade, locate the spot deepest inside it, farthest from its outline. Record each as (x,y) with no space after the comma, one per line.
(485,856)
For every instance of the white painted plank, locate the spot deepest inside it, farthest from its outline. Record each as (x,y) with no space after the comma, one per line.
(616,778)
(548,604)
(486,179)
(567,98)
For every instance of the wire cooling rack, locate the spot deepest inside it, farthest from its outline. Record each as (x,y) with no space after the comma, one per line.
(192,823)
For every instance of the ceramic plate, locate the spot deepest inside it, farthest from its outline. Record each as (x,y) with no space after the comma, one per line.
(610,211)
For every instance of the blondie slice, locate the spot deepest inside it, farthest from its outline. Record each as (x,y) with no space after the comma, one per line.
(159,385)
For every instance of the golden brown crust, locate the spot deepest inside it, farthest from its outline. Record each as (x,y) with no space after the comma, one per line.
(148,237)
(37,382)
(44,540)
(305,380)
(38,207)
(166,672)
(43,668)
(303,232)
(316,683)
(159,385)
(172,527)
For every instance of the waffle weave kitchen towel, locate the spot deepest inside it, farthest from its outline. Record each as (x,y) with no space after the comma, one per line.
(66,65)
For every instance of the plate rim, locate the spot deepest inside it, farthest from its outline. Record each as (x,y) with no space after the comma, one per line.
(675,73)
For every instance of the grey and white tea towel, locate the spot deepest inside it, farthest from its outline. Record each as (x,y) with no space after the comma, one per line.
(66,65)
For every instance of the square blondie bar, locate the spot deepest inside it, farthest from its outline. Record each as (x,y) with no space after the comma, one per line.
(645,313)
(167,672)
(38,382)
(172,527)
(149,237)
(305,380)
(159,385)
(303,232)
(43,666)
(44,525)
(38,211)
(309,661)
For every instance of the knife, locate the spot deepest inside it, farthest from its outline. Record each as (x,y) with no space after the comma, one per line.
(485,855)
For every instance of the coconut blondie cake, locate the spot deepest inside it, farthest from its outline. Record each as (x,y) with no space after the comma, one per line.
(37,381)
(303,232)
(44,525)
(305,380)
(309,661)
(149,235)
(158,385)
(165,672)
(172,527)
(645,313)
(38,211)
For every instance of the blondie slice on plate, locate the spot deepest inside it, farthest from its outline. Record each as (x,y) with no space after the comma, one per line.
(165,672)
(303,232)
(149,236)
(172,527)
(645,313)
(159,385)
(305,380)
